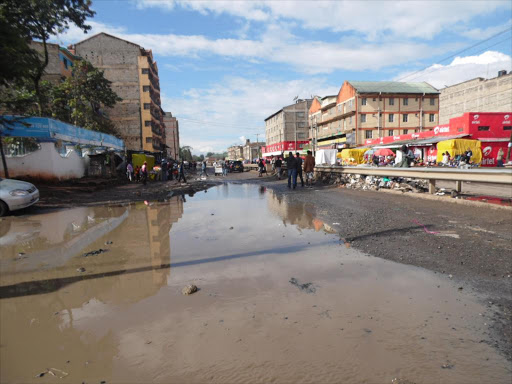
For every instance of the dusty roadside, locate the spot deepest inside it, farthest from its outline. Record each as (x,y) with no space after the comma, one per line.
(469,244)
(91,192)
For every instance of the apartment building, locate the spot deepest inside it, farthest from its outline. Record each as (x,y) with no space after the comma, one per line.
(287,129)
(172,136)
(252,151)
(134,76)
(60,61)
(476,95)
(366,109)
(235,152)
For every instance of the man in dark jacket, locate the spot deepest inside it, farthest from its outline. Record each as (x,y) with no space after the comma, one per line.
(278,165)
(291,164)
(299,168)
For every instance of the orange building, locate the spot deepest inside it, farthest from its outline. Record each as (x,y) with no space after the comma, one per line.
(372,109)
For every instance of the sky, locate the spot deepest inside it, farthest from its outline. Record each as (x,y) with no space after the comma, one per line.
(225,66)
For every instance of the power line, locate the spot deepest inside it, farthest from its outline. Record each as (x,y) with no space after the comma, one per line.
(459,52)
(481,50)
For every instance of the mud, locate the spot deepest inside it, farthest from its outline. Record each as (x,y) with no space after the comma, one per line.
(125,318)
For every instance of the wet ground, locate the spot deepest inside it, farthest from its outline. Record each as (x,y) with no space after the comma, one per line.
(94,294)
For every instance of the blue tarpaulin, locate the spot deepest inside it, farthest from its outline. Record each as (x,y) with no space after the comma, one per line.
(46,129)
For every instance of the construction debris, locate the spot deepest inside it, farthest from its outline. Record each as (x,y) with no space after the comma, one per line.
(375,182)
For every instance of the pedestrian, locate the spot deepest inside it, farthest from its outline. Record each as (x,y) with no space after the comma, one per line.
(181,172)
(137,173)
(299,168)
(261,166)
(446,158)
(407,157)
(129,171)
(309,169)
(291,164)
(163,170)
(170,170)
(499,158)
(469,155)
(144,173)
(203,169)
(278,165)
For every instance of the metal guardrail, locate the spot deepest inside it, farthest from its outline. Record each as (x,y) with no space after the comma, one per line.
(479,175)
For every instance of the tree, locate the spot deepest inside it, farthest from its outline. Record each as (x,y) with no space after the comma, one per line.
(80,98)
(41,19)
(185,153)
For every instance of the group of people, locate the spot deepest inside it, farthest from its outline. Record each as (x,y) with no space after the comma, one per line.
(457,160)
(168,171)
(295,167)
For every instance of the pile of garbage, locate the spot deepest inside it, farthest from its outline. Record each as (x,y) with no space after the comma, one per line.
(375,183)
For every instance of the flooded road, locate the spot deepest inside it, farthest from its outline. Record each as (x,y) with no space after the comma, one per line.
(95,294)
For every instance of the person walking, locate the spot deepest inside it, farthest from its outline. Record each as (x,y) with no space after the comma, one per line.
(309,169)
(144,173)
(129,171)
(181,171)
(137,173)
(279,166)
(291,164)
(163,170)
(299,168)
(203,169)
(261,166)
(499,158)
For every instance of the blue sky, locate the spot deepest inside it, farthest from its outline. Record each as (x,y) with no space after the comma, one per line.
(226,65)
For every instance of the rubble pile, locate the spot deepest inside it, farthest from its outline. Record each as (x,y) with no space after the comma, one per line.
(375,182)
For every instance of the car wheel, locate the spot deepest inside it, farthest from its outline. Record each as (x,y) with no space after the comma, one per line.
(4,209)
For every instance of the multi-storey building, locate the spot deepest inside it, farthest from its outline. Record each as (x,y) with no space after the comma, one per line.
(60,61)
(235,152)
(172,136)
(476,95)
(287,129)
(366,109)
(134,76)
(252,151)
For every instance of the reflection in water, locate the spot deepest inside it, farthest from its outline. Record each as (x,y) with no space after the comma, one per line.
(124,319)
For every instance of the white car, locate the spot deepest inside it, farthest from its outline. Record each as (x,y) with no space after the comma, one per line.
(15,194)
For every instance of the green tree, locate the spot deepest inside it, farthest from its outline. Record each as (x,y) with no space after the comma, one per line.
(186,153)
(80,98)
(39,20)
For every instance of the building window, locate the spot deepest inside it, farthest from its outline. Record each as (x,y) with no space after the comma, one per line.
(368,134)
(363,101)
(432,101)
(431,117)
(406,101)
(350,120)
(147,105)
(374,99)
(391,117)
(406,131)
(65,63)
(339,108)
(391,101)
(390,132)
(145,71)
(405,117)
(483,128)
(363,118)
(300,115)
(145,88)
(301,135)
(147,123)
(149,140)
(507,127)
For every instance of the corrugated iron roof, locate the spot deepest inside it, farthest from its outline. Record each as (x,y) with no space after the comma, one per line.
(393,87)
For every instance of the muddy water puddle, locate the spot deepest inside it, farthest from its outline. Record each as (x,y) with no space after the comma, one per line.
(95,293)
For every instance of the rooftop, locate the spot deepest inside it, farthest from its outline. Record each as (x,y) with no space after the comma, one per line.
(393,87)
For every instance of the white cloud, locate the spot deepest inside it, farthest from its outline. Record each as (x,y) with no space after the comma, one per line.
(276,45)
(423,19)
(462,69)
(223,113)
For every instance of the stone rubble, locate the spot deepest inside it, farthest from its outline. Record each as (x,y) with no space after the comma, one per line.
(375,183)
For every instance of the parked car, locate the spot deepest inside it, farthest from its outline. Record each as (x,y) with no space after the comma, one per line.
(237,166)
(15,194)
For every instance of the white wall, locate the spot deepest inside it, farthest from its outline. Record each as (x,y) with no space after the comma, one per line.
(46,163)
